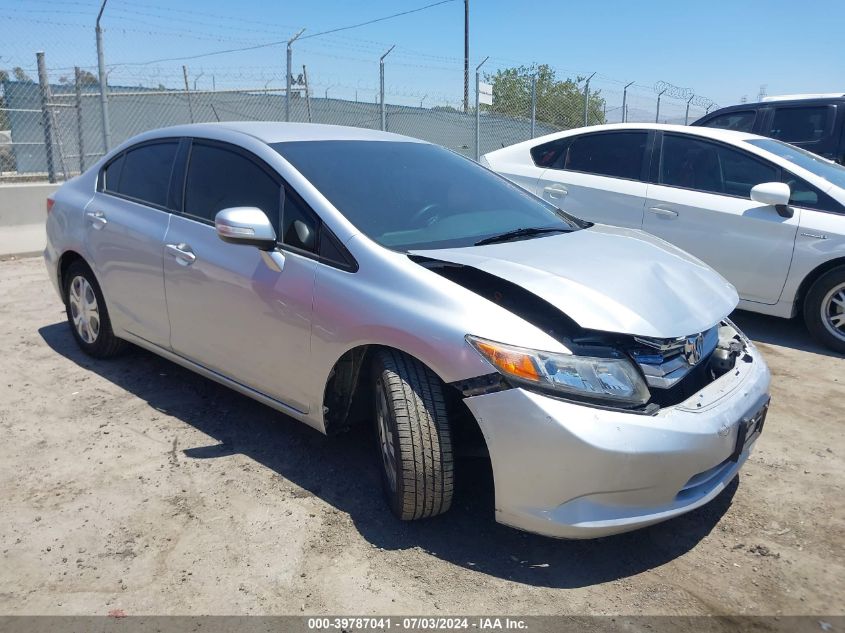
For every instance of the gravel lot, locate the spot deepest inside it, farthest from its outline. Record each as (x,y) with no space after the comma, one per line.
(136,485)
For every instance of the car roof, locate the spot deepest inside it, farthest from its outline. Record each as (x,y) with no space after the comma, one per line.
(281,132)
(729,136)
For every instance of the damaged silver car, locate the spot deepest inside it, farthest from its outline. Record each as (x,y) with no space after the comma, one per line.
(339,274)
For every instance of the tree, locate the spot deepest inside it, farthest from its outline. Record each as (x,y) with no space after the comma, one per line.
(559,103)
(20,75)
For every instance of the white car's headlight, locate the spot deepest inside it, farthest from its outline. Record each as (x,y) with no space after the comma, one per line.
(611,380)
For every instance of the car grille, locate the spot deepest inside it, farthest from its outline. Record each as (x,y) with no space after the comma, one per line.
(665,362)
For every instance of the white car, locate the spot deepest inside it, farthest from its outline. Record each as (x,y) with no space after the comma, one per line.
(767,215)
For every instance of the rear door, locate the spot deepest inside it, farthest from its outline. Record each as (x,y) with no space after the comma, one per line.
(229,311)
(600,177)
(125,224)
(811,127)
(700,201)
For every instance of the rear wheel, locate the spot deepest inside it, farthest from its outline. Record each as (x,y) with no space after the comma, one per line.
(87,314)
(414,439)
(824,309)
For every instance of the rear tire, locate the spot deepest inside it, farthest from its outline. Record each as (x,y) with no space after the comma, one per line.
(87,314)
(824,309)
(414,439)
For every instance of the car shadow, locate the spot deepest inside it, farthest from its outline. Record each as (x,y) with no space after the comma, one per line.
(792,333)
(342,471)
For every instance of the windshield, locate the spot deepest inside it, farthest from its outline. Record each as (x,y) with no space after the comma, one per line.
(833,173)
(407,195)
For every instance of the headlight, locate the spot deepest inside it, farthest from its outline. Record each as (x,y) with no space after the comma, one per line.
(608,380)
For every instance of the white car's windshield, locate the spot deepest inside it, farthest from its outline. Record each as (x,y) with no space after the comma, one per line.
(407,195)
(833,173)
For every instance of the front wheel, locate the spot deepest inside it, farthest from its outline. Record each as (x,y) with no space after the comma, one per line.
(824,309)
(414,439)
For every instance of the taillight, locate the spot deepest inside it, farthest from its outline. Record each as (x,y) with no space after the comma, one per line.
(50,203)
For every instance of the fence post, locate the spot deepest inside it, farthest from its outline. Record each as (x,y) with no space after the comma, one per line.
(188,92)
(587,100)
(686,116)
(288,71)
(46,119)
(657,114)
(625,102)
(104,89)
(307,92)
(478,109)
(533,106)
(381,87)
(80,145)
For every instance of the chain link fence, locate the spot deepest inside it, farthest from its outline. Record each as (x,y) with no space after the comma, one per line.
(52,123)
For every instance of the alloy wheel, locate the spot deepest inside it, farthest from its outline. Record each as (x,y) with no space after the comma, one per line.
(833,311)
(84,309)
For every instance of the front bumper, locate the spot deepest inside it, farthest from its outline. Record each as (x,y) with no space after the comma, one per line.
(567,470)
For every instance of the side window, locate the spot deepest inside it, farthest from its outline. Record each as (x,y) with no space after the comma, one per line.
(111,175)
(739,121)
(550,154)
(333,252)
(218,178)
(800,125)
(618,154)
(704,166)
(145,173)
(299,226)
(806,195)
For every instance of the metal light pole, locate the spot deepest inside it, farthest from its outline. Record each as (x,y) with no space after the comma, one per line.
(625,101)
(587,99)
(657,114)
(686,116)
(381,87)
(478,109)
(288,74)
(101,69)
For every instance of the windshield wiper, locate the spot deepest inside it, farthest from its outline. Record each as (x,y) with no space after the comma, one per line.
(519,233)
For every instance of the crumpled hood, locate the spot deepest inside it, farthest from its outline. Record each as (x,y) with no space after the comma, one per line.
(610,279)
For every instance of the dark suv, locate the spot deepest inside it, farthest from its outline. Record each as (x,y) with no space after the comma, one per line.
(814,123)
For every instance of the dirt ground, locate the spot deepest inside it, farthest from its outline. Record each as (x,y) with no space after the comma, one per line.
(134,484)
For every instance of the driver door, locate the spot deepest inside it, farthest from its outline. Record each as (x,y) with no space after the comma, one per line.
(701,203)
(229,311)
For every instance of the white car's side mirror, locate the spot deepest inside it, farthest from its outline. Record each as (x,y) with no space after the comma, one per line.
(776,194)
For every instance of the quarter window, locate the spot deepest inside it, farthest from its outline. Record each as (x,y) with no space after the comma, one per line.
(739,121)
(704,166)
(550,154)
(800,125)
(299,224)
(619,155)
(143,173)
(219,178)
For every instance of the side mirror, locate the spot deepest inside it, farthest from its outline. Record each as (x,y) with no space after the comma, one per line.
(775,194)
(245,225)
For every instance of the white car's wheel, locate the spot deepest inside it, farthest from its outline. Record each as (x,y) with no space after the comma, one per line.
(824,309)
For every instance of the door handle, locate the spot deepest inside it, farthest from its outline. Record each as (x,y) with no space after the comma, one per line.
(182,252)
(97,219)
(668,213)
(556,191)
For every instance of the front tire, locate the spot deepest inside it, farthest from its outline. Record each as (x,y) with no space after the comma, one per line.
(824,309)
(414,439)
(87,314)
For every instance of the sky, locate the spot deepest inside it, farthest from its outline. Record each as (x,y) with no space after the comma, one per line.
(724,50)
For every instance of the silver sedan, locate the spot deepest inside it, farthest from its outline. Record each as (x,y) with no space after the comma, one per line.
(343,275)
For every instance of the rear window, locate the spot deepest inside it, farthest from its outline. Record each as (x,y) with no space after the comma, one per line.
(145,173)
(742,121)
(800,125)
(617,154)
